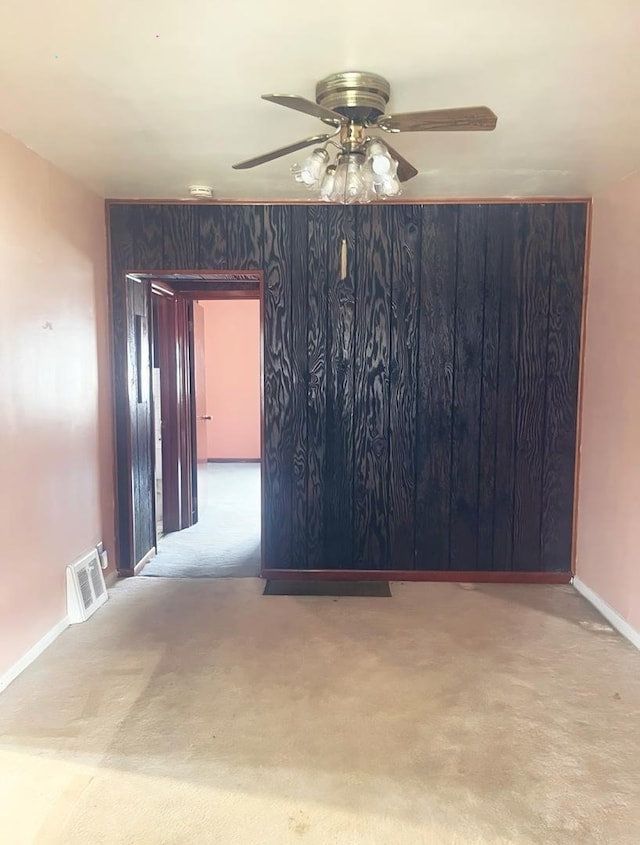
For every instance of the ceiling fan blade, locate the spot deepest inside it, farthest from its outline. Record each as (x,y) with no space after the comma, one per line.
(406,170)
(283,151)
(470,119)
(293,101)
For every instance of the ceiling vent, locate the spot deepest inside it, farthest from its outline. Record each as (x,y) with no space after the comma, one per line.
(86,590)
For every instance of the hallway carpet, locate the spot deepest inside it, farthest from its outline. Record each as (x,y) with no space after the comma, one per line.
(226,539)
(200,711)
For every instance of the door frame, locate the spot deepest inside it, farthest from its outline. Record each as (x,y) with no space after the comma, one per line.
(182,287)
(164,316)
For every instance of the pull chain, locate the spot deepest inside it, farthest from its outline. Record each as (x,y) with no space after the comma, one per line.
(343,260)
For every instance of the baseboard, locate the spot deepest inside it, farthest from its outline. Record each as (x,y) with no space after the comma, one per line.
(233,460)
(137,569)
(110,579)
(420,575)
(612,616)
(34,652)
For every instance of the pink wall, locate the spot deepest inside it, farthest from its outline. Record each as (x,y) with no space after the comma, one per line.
(608,539)
(56,461)
(232,349)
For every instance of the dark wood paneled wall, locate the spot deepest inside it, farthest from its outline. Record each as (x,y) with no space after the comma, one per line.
(419,413)
(140,419)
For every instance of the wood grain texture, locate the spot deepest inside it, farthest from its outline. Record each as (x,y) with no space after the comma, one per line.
(467,387)
(561,402)
(141,417)
(165,314)
(359,398)
(316,322)
(338,492)
(435,385)
(532,362)
(406,232)
(218,290)
(373,291)
(278,388)
(185,410)
(505,254)
(211,221)
(121,239)
(488,443)
(298,296)
(245,233)
(191,409)
(181,237)
(137,460)
(148,222)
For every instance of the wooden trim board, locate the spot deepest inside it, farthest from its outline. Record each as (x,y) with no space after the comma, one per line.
(34,652)
(493,577)
(234,460)
(580,398)
(137,569)
(612,616)
(398,201)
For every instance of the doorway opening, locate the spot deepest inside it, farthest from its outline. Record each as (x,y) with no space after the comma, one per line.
(204,432)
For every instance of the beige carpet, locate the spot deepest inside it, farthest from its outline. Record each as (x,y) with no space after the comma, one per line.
(202,712)
(225,541)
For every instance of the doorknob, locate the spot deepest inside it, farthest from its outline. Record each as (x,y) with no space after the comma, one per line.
(205,417)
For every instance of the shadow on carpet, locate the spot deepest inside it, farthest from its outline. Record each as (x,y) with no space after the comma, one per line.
(304,587)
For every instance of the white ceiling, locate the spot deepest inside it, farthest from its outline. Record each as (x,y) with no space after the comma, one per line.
(141,98)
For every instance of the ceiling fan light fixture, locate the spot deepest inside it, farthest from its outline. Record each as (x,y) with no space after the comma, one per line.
(355,189)
(312,168)
(371,177)
(353,177)
(368,176)
(381,161)
(344,182)
(389,188)
(340,180)
(327,185)
(389,185)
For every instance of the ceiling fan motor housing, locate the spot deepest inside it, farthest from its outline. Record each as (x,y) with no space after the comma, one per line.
(358,95)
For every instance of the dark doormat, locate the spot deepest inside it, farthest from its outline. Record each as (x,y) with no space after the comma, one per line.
(308,587)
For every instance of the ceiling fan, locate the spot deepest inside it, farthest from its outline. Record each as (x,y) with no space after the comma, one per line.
(353,103)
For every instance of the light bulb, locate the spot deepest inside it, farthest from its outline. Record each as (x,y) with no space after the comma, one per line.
(340,180)
(381,163)
(371,179)
(368,176)
(354,184)
(297,175)
(367,191)
(388,188)
(327,184)
(312,166)
(391,187)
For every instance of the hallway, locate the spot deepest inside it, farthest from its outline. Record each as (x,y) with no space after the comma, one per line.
(225,541)
(203,712)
